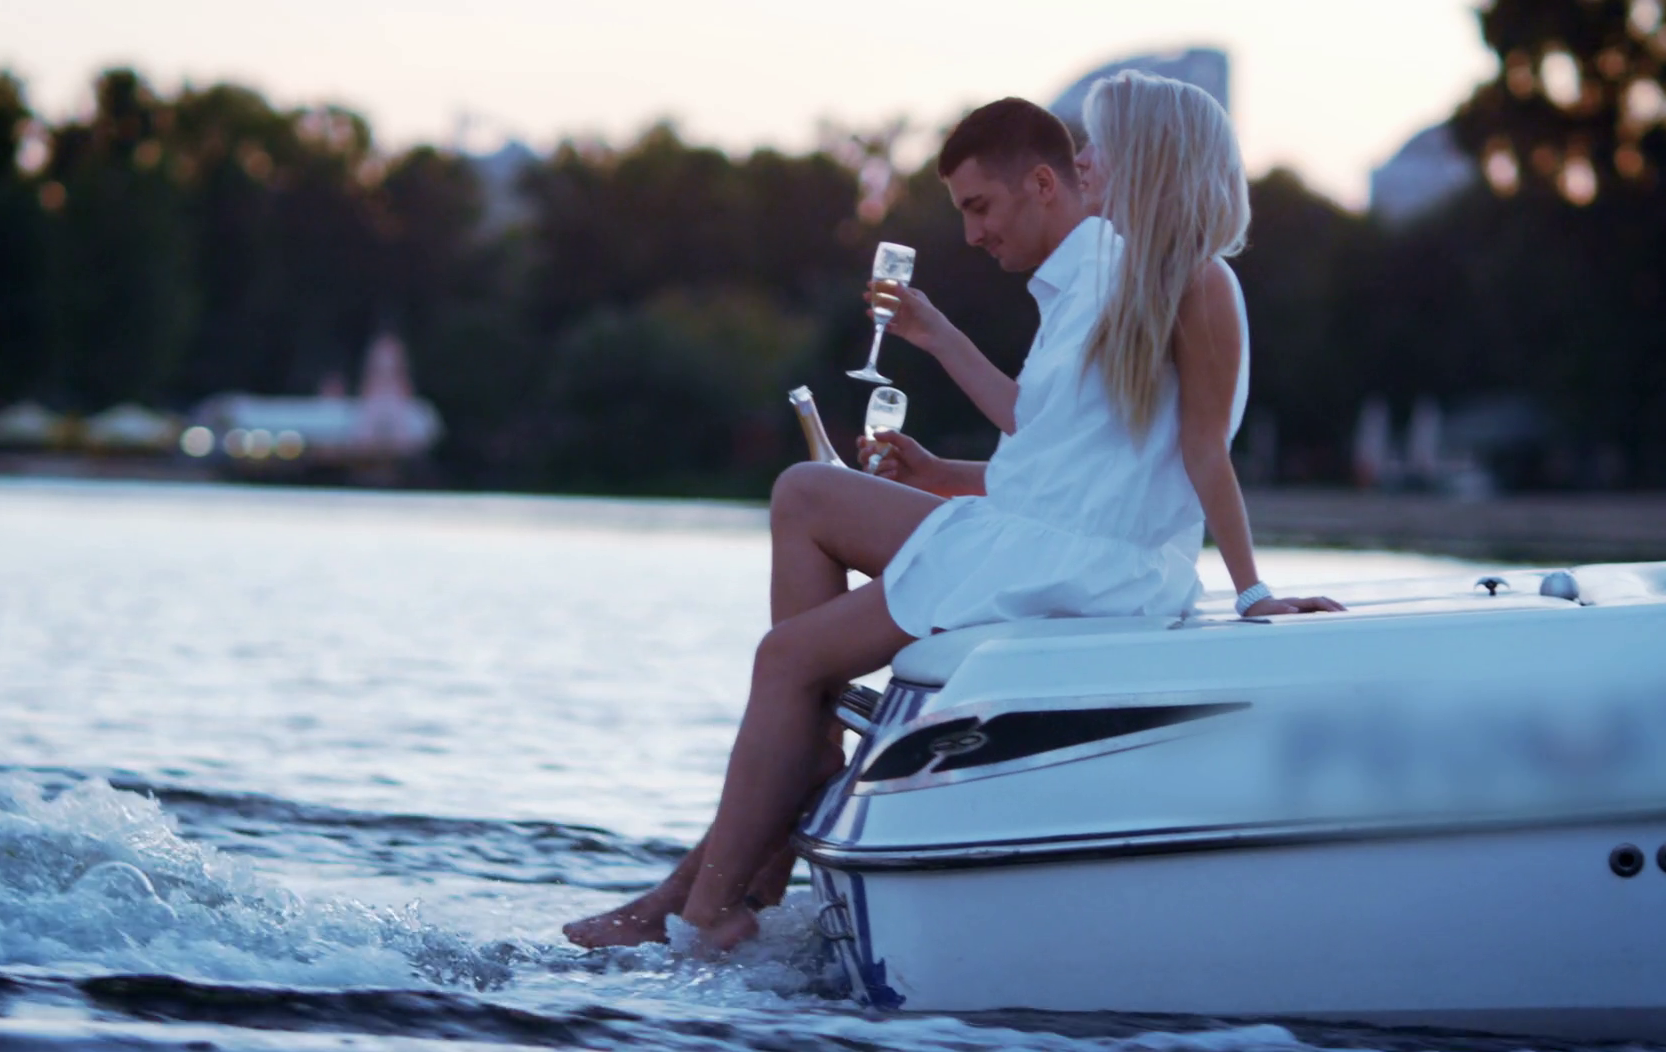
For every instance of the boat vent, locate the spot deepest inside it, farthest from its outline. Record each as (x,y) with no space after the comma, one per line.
(968,742)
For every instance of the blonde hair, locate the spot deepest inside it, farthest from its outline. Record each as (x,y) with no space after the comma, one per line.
(1176,193)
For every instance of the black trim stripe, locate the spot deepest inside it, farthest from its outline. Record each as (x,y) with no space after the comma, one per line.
(1011,736)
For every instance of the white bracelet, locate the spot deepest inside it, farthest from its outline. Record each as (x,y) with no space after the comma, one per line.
(1252,595)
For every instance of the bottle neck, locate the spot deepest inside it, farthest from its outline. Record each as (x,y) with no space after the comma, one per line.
(815,434)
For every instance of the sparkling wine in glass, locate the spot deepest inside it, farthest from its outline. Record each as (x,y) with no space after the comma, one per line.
(887,407)
(890,263)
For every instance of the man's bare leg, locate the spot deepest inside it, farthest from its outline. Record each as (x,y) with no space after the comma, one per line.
(814,539)
(643,918)
(778,738)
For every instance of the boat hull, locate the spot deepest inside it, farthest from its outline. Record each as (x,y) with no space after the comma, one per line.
(1524,931)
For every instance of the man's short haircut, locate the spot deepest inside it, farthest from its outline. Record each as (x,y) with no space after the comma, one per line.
(1009,137)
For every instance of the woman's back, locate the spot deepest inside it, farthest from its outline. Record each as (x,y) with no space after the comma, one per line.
(1073,464)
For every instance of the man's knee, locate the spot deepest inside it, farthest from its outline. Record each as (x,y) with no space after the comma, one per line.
(775,654)
(798,489)
(787,653)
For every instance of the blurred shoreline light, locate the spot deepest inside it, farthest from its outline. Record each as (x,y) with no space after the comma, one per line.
(289,445)
(237,443)
(197,441)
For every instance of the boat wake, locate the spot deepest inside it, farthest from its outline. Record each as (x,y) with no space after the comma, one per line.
(97,880)
(100,878)
(373,844)
(120,923)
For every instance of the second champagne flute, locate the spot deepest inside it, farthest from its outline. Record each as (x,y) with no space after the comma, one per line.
(890,263)
(887,407)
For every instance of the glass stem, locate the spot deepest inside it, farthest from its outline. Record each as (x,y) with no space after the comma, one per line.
(873,352)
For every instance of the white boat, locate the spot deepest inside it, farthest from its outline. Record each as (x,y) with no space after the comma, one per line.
(1446,807)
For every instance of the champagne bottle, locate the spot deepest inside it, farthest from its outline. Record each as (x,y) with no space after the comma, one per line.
(821,448)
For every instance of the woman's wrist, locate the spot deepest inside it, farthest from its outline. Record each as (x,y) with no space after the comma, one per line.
(1252,595)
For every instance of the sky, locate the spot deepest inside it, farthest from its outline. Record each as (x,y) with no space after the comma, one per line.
(1330,88)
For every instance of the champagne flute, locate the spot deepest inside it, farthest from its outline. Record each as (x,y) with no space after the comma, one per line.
(890,263)
(887,407)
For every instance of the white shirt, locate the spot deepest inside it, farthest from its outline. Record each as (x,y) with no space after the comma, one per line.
(1080,520)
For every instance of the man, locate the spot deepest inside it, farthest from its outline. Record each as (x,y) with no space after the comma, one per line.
(1010,169)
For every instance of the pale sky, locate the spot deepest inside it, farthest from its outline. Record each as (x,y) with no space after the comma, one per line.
(1328,87)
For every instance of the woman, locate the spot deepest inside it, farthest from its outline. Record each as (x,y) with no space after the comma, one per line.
(1114,453)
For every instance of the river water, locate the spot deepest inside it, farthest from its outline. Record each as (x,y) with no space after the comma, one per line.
(304,769)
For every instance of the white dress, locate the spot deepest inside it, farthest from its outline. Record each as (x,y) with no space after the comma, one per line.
(1079,520)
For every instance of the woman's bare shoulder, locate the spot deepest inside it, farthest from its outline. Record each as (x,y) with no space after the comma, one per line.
(1208,314)
(1212,285)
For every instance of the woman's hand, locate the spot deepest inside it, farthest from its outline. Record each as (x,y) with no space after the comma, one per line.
(901,459)
(1272,605)
(916,320)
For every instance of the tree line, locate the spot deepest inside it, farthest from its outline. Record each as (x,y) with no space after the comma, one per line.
(635,327)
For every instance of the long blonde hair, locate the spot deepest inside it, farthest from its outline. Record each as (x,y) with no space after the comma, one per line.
(1176,193)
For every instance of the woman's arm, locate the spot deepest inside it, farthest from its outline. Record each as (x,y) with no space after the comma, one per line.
(917,321)
(1207,345)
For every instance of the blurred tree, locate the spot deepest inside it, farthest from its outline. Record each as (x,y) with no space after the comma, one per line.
(486,376)
(684,394)
(1307,372)
(1572,137)
(232,155)
(330,248)
(123,297)
(432,206)
(1578,104)
(455,296)
(23,260)
(615,227)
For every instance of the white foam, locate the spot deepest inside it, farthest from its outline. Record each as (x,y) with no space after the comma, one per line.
(95,879)
(786,965)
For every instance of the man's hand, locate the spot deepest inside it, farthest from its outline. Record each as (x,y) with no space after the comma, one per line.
(1312,604)
(916,320)
(901,459)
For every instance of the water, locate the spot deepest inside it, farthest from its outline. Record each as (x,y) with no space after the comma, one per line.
(311,770)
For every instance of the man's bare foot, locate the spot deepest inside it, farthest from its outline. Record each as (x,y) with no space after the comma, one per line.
(728,929)
(636,922)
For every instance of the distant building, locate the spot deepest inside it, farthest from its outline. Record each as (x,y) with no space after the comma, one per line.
(499,175)
(1208,68)
(124,428)
(385,424)
(33,426)
(132,428)
(1428,170)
